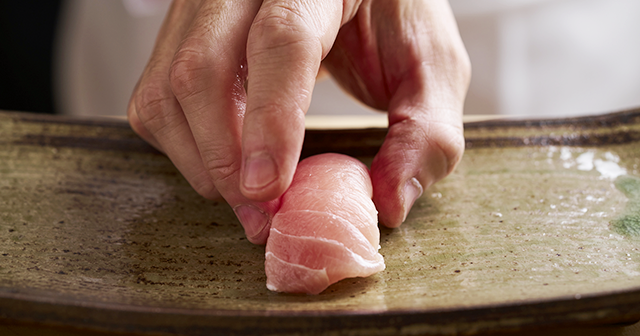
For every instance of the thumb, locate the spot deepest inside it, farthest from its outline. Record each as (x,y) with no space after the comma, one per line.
(422,146)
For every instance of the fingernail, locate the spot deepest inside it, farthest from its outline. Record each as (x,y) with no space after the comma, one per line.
(253,220)
(259,170)
(412,191)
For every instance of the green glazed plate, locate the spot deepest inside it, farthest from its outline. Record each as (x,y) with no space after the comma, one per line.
(538,226)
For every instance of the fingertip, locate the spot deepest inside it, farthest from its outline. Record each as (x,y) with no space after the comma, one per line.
(263,178)
(412,190)
(272,140)
(387,195)
(394,206)
(255,218)
(416,153)
(259,171)
(255,221)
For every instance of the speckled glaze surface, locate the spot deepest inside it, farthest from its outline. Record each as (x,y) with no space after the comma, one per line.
(538,226)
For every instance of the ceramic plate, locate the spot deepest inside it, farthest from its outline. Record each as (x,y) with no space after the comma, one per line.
(538,226)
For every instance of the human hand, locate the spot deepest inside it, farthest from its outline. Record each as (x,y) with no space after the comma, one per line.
(191,103)
(406,57)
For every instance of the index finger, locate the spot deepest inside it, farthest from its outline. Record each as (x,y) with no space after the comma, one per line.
(206,78)
(286,44)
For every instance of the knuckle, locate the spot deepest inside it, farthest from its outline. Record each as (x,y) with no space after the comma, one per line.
(132,115)
(449,140)
(462,63)
(436,141)
(204,186)
(148,101)
(221,167)
(136,125)
(456,60)
(282,26)
(279,16)
(349,9)
(465,63)
(154,106)
(187,67)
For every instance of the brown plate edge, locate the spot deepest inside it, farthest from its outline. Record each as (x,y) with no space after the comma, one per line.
(366,142)
(606,308)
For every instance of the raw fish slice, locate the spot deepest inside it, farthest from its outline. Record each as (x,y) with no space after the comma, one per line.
(322,193)
(307,280)
(315,240)
(331,255)
(316,264)
(353,205)
(323,225)
(318,199)
(354,177)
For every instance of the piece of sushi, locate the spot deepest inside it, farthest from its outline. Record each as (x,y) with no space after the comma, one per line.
(326,229)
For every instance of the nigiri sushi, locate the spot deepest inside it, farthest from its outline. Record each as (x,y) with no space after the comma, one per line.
(326,229)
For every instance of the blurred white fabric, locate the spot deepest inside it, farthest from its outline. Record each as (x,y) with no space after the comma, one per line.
(551,57)
(103,47)
(547,58)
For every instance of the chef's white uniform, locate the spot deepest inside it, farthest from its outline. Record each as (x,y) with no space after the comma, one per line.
(529,57)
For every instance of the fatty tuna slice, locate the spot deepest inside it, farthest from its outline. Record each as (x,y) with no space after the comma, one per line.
(354,207)
(326,229)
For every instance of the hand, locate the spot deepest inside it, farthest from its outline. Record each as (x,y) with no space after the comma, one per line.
(406,57)
(191,101)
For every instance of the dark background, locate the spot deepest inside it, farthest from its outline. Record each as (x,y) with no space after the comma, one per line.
(27,34)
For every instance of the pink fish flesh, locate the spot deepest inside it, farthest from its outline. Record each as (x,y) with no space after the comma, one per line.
(326,229)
